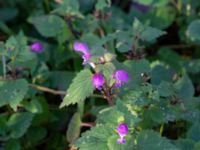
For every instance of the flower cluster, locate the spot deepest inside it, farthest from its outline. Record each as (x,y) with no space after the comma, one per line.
(122,130)
(98,80)
(120,77)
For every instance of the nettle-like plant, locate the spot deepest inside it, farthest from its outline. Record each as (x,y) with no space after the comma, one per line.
(131,90)
(141,96)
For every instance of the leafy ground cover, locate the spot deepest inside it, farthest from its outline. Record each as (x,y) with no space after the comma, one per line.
(100,74)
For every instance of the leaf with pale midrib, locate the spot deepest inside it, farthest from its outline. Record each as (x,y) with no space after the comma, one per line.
(80,88)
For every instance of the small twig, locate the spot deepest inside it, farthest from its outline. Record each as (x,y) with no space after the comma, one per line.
(101,32)
(88,124)
(57,92)
(182,106)
(97,96)
(108,96)
(178,46)
(59,1)
(46,2)
(175,4)
(48,90)
(161,129)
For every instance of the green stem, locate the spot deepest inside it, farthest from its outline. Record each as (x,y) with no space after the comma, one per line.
(4,66)
(46,2)
(46,89)
(161,129)
(81,106)
(97,96)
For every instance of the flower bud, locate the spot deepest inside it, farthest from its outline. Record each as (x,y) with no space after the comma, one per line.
(37,47)
(141,7)
(122,130)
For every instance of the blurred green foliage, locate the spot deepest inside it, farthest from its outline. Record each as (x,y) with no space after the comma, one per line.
(156,42)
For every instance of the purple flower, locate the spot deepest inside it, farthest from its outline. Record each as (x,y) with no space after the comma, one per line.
(37,47)
(98,80)
(122,130)
(121,77)
(83,48)
(141,7)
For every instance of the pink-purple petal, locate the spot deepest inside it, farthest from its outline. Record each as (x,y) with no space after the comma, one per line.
(121,141)
(83,48)
(122,129)
(121,77)
(98,80)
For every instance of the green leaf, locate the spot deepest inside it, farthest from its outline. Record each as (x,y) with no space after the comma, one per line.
(96,138)
(51,26)
(33,106)
(13,145)
(8,13)
(69,8)
(161,73)
(146,33)
(18,124)
(150,34)
(190,115)
(139,96)
(185,144)
(194,132)
(124,40)
(156,114)
(161,17)
(111,116)
(185,88)
(101,4)
(18,50)
(4,27)
(150,140)
(44,117)
(39,134)
(74,127)
(58,79)
(138,68)
(107,69)
(171,57)
(152,2)
(130,116)
(91,143)
(193,30)
(12,92)
(197,146)
(192,66)
(80,88)
(166,89)
(112,144)
(3,127)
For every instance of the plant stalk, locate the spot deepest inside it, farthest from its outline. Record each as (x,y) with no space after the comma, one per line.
(4,66)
